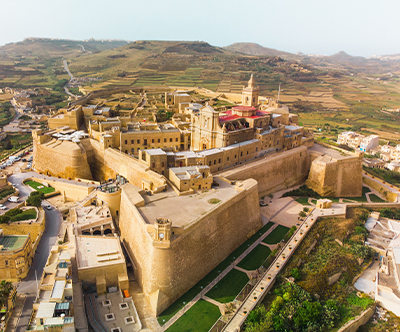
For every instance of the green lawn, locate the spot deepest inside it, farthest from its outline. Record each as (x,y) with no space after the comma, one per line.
(25,215)
(167,314)
(6,191)
(199,318)
(276,235)
(35,185)
(228,287)
(255,258)
(302,200)
(376,199)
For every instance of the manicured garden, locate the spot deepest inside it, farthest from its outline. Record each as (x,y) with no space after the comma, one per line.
(40,187)
(228,287)
(276,235)
(7,190)
(199,318)
(18,215)
(167,314)
(255,258)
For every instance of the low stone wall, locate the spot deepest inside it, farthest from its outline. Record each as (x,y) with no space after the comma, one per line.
(379,187)
(354,324)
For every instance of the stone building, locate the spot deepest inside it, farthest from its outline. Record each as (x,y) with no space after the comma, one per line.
(336,177)
(192,177)
(176,240)
(15,256)
(100,261)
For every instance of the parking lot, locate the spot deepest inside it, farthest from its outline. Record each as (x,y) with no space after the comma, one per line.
(16,181)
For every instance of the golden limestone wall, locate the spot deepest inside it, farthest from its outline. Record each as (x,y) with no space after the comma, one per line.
(276,172)
(61,158)
(336,177)
(165,273)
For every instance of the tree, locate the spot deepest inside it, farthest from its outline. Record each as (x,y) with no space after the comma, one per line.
(302,214)
(6,288)
(35,198)
(8,144)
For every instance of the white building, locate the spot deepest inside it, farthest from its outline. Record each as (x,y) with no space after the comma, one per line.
(368,143)
(350,138)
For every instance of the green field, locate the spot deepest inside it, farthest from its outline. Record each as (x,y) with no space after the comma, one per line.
(35,185)
(228,287)
(276,235)
(199,318)
(190,294)
(25,215)
(255,258)
(7,190)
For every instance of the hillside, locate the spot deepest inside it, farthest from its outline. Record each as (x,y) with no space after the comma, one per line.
(255,49)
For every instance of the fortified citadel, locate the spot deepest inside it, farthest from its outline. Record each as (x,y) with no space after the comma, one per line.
(189,188)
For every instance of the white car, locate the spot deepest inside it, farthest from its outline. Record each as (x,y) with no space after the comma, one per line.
(2,207)
(47,206)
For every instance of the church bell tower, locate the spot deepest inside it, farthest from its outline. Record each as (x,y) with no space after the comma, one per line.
(250,94)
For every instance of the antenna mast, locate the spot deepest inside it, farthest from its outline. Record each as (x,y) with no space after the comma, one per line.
(279,92)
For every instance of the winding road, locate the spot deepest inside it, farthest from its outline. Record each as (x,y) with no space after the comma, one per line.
(52,227)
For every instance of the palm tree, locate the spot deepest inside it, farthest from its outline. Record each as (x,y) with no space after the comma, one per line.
(6,288)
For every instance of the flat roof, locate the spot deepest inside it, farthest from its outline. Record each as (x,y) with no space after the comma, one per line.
(396,252)
(96,251)
(155,152)
(58,289)
(12,242)
(46,309)
(184,210)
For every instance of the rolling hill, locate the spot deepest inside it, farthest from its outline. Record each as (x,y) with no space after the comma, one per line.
(255,49)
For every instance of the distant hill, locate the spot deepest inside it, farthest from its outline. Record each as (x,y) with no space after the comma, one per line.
(59,47)
(192,48)
(344,57)
(255,49)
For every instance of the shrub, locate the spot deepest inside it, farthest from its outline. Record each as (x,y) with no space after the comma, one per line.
(306,209)
(35,198)
(295,273)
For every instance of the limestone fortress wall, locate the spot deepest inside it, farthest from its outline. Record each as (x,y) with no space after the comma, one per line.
(165,272)
(275,172)
(60,158)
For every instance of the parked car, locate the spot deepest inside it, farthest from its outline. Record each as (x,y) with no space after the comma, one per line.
(23,159)
(3,207)
(47,206)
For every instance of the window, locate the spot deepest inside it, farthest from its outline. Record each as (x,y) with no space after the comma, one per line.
(227,159)
(209,163)
(165,140)
(126,151)
(154,165)
(235,156)
(241,154)
(131,141)
(126,141)
(6,261)
(145,141)
(256,149)
(176,139)
(138,141)
(219,160)
(170,139)
(162,164)
(152,141)
(158,140)
(215,161)
(247,152)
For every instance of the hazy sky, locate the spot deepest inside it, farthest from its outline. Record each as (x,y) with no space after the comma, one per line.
(358,27)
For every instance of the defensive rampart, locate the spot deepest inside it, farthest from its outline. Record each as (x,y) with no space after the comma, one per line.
(334,177)
(277,172)
(165,272)
(59,158)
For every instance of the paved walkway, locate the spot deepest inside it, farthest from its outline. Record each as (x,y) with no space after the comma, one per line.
(180,313)
(266,282)
(16,314)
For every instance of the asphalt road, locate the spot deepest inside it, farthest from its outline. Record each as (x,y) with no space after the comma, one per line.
(28,286)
